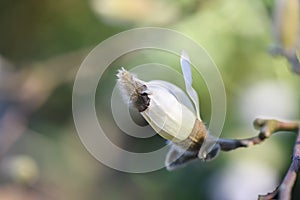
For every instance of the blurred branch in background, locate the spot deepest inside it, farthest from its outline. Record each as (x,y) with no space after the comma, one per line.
(286,27)
(24,91)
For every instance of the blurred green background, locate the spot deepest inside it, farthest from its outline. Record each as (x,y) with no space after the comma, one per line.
(42,44)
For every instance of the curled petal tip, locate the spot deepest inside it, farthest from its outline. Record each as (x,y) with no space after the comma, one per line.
(184,55)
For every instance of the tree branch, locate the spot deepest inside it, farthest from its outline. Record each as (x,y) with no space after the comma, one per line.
(268,128)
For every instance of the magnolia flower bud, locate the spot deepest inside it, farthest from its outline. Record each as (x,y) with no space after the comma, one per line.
(167,109)
(160,108)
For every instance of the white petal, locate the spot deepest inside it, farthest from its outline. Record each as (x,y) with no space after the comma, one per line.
(177,92)
(171,119)
(187,74)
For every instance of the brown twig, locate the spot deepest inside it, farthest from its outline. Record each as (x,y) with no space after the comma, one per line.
(285,188)
(267,128)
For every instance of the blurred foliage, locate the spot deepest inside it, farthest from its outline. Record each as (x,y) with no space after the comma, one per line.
(33,30)
(53,37)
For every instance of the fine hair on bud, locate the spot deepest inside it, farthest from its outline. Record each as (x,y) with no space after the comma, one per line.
(134,91)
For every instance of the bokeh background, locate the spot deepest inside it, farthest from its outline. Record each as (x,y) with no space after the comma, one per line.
(42,44)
